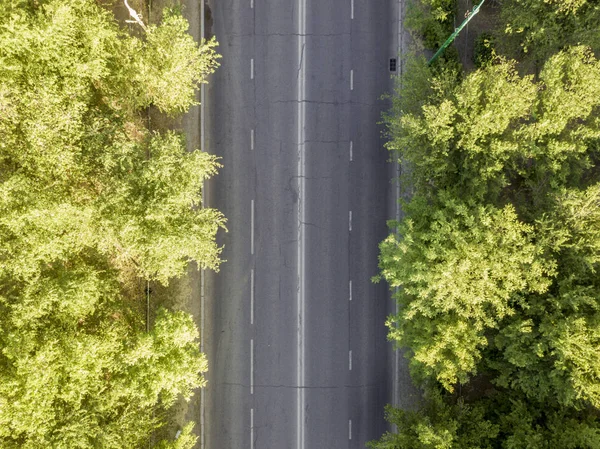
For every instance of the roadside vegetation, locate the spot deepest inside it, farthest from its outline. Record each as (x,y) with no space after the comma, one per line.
(92,205)
(497,255)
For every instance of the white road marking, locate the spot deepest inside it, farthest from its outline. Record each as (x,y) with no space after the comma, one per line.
(301,114)
(252,68)
(252,139)
(352,9)
(252,296)
(350,360)
(252,366)
(351,155)
(349,429)
(350,221)
(252,4)
(350,288)
(352,79)
(251,226)
(251,428)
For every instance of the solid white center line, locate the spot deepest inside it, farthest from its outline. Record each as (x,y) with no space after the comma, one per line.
(352,9)
(350,288)
(251,226)
(252,296)
(351,155)
(350,221)
(252,366)
(350,360)
(252,139)
(251,428)
(252,68)
(349,429)
(301,303)
(352,79)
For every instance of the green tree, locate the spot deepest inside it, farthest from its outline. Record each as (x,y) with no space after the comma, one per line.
(461,269)
(90,378)
(498,419)
(540,28)
(549,350)
(140,190)
(496,259)
(88,196)
(496,133)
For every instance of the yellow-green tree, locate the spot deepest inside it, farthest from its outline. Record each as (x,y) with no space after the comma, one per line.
(496,259)
(88,195)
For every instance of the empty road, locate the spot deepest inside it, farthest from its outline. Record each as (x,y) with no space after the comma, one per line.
(294,328)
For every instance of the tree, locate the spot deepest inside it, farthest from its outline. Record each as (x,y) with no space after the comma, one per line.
(73,378)
(497,134)
(495,261)
(540,28)
(88,195)
(498,419)
(139,189)
(549,350)
(460,269)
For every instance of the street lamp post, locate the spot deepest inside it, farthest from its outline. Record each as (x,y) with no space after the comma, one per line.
(468,17)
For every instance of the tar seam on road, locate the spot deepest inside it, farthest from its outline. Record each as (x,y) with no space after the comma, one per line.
(352,79)
(301,112)
(351,155)
(252,68)
(252,366)
(252,139)
(252,296)
(252,227)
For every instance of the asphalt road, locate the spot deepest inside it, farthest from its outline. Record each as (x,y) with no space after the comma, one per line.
(294,330)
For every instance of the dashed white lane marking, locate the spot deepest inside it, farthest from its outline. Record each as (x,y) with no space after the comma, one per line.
(251,428)
(350,360)
(352,79)
(350,289)
(352,9)
(349,429)
(351,149)
(252,296)
(252,68)
(251,226)
(252,366)
(252,4)
(252,139)
(350,221)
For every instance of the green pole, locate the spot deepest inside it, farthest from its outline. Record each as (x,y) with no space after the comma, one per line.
(456,31)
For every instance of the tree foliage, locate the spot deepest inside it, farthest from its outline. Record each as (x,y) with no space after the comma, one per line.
(497,420)
(495,128)
(461,268)
(496,259)
(542,27)
(89,195)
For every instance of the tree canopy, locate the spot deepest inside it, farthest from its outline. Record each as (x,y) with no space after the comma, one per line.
(495,260)
(90,199)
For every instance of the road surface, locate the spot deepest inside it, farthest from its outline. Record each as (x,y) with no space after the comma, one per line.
(294,328)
